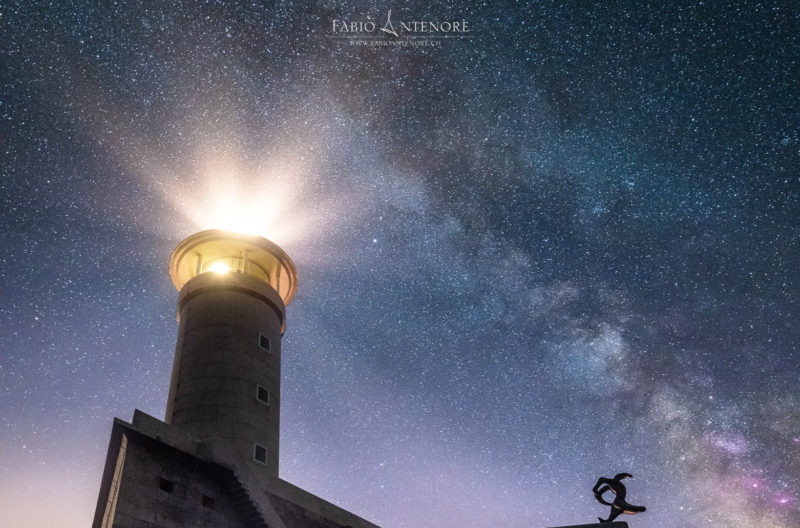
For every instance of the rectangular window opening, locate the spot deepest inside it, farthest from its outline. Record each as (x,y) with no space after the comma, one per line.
(263,342)
(260,454)
(208,502)
(262,395)
(166,485)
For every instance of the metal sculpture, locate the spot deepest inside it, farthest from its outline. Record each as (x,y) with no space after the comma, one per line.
(619,505)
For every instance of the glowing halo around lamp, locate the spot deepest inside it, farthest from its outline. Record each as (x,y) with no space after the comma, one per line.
(268,195)
(232,196)
(262,211)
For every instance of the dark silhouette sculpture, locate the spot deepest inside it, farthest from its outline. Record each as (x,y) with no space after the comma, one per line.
(619,505)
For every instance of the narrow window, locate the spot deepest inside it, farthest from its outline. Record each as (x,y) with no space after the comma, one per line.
(260,454)
(208,502)
(263,395)
(263,342)
(166,485)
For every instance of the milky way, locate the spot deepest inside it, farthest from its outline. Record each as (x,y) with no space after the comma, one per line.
(560,247)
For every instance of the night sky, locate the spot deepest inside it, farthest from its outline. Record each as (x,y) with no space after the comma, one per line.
(564,247)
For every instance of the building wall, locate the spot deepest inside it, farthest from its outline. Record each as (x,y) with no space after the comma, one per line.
(295,516)
(143,453)
(142,503)
(220,362)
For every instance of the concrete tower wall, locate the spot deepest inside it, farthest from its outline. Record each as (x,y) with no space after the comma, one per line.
(156,477)
(229,344)
(157,487)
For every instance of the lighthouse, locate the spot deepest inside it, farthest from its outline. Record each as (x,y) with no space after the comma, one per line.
(226,376)
(213,460)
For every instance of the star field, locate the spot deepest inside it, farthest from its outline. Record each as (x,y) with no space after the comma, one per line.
(563,248)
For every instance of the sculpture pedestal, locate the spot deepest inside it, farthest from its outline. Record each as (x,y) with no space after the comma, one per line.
(617,524)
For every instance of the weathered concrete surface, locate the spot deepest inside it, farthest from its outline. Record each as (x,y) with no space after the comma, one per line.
(197,494)
(219,365)
(143,453)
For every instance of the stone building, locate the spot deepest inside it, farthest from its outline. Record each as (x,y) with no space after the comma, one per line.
(213,461)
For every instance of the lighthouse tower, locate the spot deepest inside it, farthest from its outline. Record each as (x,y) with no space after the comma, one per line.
(226,376)
(213,461)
